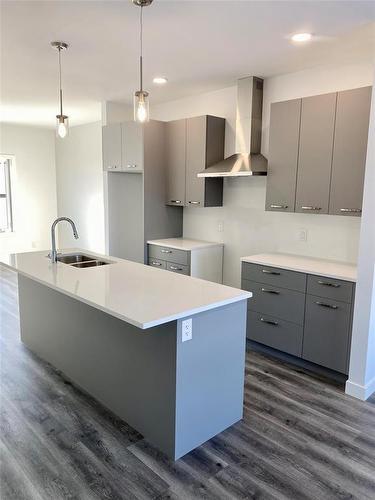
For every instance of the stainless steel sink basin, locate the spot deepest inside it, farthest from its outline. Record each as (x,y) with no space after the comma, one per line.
(74,258)
(91,263)
(81,260)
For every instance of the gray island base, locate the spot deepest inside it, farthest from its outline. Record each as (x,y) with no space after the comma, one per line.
(176,394)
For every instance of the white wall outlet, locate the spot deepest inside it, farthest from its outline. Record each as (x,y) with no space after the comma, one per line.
(302,235)
(220,226)
(187,329)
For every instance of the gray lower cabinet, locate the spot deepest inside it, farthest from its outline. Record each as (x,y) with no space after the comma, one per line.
(306,315)
(194,144)
(327,330)
(349,152)
(283,155)
(315,153)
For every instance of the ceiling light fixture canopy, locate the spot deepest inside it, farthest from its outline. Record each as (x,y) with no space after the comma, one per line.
(141,102)
(160,80)
(62,121)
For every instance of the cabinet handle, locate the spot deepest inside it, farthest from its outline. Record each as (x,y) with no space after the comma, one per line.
(175,201)
(351,210)
(131,165)
(311,208)
(269,322)
(326,283)
(163,250)
(324,304)
(279,206)
(174,268)
(266,271)
(156,263)
(275,292)
(194,202)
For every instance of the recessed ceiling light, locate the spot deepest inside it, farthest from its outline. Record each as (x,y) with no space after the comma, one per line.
(160,80)
(301,37)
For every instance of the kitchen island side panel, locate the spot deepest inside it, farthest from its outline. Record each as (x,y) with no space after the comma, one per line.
(128,370)
(210,375)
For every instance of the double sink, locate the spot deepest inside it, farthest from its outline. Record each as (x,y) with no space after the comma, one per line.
(81,260)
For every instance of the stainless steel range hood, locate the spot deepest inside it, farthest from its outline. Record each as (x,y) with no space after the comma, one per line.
(248,160)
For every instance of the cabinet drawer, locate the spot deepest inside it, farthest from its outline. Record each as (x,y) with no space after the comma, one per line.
(327,332)
(157,263)
(178,268)
(276,301)
(330,288)
(169,254)
(274,332)
(274,276)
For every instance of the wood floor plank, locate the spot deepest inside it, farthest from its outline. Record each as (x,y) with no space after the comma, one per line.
(301,437)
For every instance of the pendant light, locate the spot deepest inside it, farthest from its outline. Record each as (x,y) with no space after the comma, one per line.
(141,103)
(62,121)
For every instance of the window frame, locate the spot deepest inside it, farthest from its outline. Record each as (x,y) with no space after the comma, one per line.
(8,194)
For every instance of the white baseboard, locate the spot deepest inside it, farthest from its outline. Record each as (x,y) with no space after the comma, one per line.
(358,391)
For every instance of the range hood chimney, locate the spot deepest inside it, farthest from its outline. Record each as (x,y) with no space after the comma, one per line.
(248,160)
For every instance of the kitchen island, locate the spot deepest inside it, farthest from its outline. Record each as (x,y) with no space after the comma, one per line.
(163,351)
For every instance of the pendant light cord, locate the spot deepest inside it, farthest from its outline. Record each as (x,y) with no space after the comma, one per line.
(141,48)
(60,86)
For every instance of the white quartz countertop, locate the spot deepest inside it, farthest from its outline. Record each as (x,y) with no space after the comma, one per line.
(141,295)
(184,243)
(328,268)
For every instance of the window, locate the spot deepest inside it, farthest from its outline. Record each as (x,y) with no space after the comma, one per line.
(6,219)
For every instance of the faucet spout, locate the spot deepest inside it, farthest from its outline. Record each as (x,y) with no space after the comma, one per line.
(53,253)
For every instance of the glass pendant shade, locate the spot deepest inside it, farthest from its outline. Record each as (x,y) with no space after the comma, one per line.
(141,106)
(62,126)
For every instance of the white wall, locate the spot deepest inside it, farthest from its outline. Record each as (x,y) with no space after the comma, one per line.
(80,187)
(248,228)
(34,186)
(361,381)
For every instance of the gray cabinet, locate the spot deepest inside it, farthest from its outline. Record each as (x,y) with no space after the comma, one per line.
(315,153)
(176,162)
(132,146)
(111,146)
(194,144)
(283,155)
(306,315)
(349,152)
(326,335)
(135,196)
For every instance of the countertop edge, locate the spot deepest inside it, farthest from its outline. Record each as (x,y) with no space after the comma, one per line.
(301,269)
(177,247)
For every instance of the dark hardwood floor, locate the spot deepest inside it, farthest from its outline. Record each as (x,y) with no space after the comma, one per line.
(301,437)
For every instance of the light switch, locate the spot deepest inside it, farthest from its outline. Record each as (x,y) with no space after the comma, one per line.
(187,329)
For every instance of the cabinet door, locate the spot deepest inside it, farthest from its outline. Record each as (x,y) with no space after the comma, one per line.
(283,155)
(111,143)
(195,159)
(327,331)
(349,151)
(176,162)
(315,153)
(132,146)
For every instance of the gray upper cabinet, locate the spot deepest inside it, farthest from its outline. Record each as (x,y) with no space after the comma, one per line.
(111,143)
(315,153)
(205,136)
(194,144)
(283,155)
(176,162)
(349,152)
(131,145)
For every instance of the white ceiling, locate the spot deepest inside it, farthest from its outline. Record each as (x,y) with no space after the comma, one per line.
(198,45)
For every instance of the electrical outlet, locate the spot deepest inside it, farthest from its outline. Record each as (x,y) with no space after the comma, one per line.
(187,329)
(302,235)
(220,226)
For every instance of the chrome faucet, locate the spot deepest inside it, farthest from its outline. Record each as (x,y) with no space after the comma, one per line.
(53,254)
